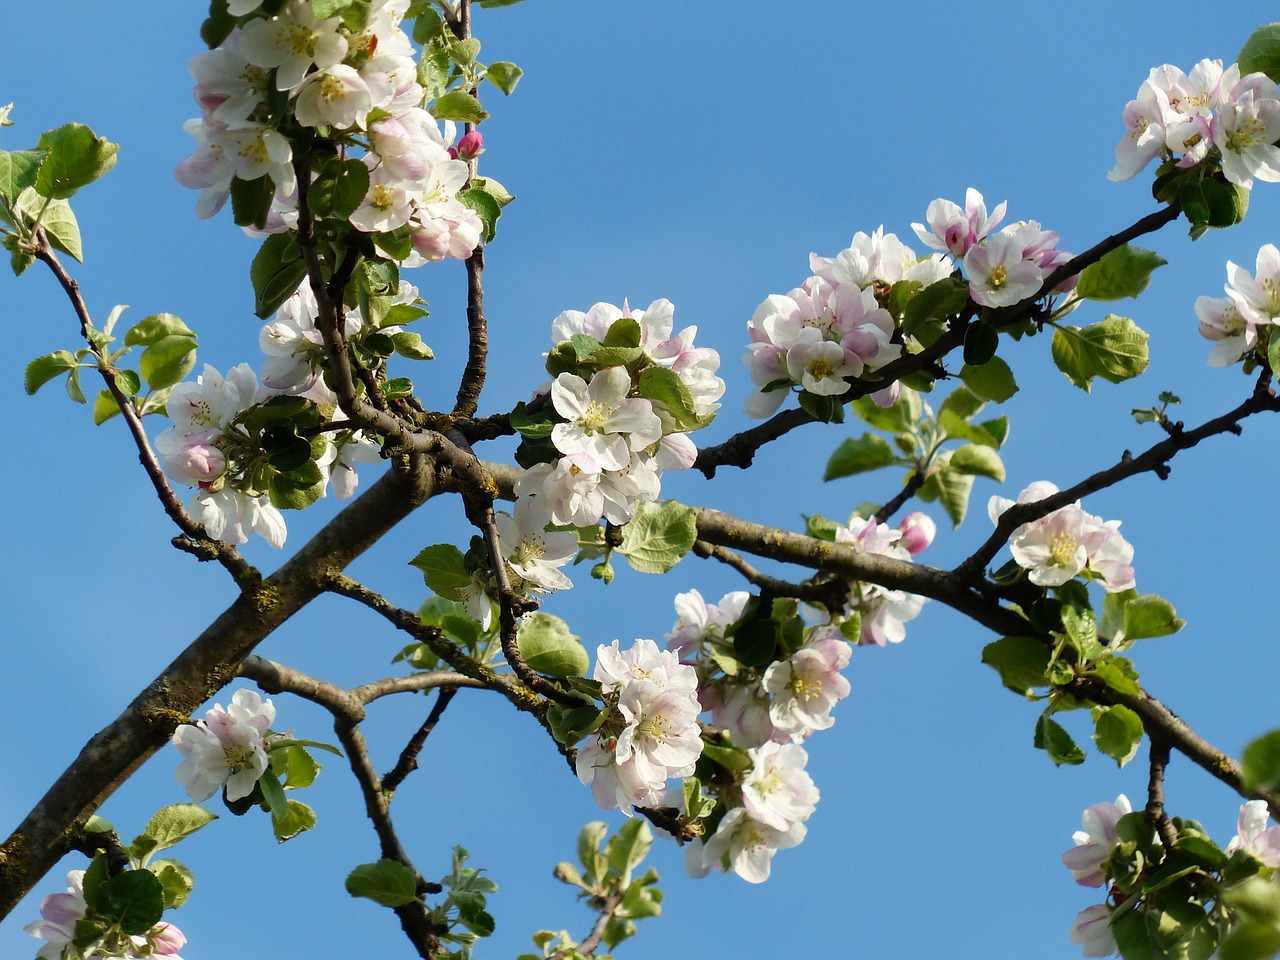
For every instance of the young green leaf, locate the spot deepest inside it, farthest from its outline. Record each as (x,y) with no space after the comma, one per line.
(549,648)
(1114,349)
(1124,272)
(853,456)
(387,882)
(659,535)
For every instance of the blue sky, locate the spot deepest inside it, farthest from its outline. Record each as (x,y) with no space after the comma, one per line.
(696,152)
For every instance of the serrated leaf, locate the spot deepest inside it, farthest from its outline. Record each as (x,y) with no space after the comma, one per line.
(952,490)
(659,535)
(504,75)
(411,345)
(155,328)
(1124,272)
(276,272)
(443,569)
(134,900)
(1261,52)
(18,171)
(628,847)
(978,460)
(76,157)
(1148,616)
(992,380)
(387,882)
(62,229)
(43,369)
(1056,742)
(854,456)
(298,818)
(458,105)
(1114,349)
(340,189)
(672,400)
(549,648)
(176,880)
(1021,662)
(168,361)
(1261,763)
(168,826)
(1117,732)
(944,298)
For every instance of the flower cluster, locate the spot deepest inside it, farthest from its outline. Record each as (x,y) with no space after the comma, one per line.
(883,611)
(1067,543)
(358,87)
(1003,268)
(1211,114)
(1252,303)
(778,796)
(72,931)
(649,729)
(834,325)
(226,749)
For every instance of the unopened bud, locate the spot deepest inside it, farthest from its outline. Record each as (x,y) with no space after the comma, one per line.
(469,147)
(918,531)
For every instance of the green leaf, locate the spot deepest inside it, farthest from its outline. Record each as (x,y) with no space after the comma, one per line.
(671,398)
(1135,936)
(292,492)
(134,900)
(628,847)
(444,570)
(387,882)
(825,409)
(276,272)
(1150,616)
(167,361)
(1021,662)
(1114,349)
(942,299)
(1117,673)
(486,208)
(1211,203)
(176,880)
(1056,742)
(593,861)
(18,171)
(948,487)
(411,345)
(340,189)
(273,794)
(992,380)
(299,767)
(981,340)
(1124,272)
(868,452)
(991,433)
(298,818)
(251,201)
(61,228)
(219,24)
(324,9)
(755,642)
(504,75)
(77,157)
(1261,52)
(458,105)
(168,826)
(43,369)
(1261,763)
(104,407)
(659,535)
(155,328)
(980,461)
(549,648)
(1117,732)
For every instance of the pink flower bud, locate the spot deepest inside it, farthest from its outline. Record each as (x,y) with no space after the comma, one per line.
(469,147)
(918,531)
(166,939)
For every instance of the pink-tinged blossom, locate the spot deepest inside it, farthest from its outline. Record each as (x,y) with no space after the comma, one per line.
(335,97)
(999,276)
(1087,860)
(742,845)
(1253,836)
(1257,295)
(883,611)
(918,531)
(228,87)
(700,624)
(742,711)
(1245,132)
(232,517)
(1067,543)
(953,230)
(778,792)
(1092,930)
(821,366)
(59,913)
(1220,321)
(804,688)
(469,147)
(1144,131)
(602,421)
(226,748)
(650,732)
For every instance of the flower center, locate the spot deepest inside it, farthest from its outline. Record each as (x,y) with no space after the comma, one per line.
(821,368)
(595,417)
(804,688)
(239,756)
(1062,550)
(999,277)
(1250,133)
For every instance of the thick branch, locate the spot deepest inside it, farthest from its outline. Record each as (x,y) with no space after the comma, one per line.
(202,669)
(477,338)
(1155,813)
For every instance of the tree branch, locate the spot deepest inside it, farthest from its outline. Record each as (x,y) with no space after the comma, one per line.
(473,375)
(408,760)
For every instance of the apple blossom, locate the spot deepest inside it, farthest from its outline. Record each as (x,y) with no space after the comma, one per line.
(1221,321)
(602,421)
(805,687)
(225,749)
(534,554)
(1092,930)
(1253,836)
(777,792)
(999,273)
(293,41)
(742,845)
(1257,295)
(1088,859)
(953,230)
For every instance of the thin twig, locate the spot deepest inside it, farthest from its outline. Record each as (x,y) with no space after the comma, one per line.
(408,760)
(588,946)
(204,546)
(832,594)
(914,483)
